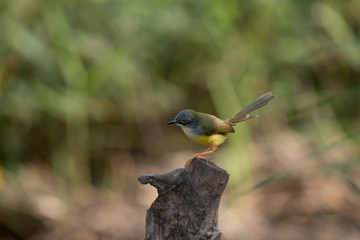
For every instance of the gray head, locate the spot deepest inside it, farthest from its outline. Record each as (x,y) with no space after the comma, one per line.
(185,117)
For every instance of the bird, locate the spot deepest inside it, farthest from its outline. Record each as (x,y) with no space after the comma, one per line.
(210,130)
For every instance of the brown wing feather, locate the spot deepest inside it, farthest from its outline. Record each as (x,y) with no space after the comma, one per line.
(213,125)
(224,127)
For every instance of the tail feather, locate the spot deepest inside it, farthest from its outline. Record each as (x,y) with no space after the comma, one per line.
(243,115)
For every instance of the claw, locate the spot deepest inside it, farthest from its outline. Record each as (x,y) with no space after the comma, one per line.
(211,149)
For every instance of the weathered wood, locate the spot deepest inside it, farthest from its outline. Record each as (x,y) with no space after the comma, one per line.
(188,202)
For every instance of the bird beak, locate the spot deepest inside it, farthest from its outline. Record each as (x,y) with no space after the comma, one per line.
(172,122)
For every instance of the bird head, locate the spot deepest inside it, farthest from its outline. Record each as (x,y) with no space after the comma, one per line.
(185,118)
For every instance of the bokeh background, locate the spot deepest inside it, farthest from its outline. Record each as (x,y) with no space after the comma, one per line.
(87,86)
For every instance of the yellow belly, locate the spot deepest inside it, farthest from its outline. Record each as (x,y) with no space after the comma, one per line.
(217,139)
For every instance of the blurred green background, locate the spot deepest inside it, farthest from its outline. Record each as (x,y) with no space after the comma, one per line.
(87,86)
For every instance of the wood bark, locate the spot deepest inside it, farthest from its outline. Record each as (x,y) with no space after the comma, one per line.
(188,202)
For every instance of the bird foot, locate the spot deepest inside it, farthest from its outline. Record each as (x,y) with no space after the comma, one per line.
(207,159)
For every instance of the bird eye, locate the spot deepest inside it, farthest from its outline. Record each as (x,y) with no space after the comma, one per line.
(184,122)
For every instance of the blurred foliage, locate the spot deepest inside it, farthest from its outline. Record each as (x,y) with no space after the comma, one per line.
(86,86)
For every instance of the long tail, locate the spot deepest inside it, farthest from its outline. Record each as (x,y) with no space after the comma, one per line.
(243,115)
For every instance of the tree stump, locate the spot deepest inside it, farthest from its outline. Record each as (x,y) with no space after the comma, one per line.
(188,202)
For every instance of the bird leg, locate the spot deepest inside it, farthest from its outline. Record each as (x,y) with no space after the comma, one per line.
(211,149)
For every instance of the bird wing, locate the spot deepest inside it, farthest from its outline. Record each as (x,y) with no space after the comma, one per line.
(224,127)
(213,125)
